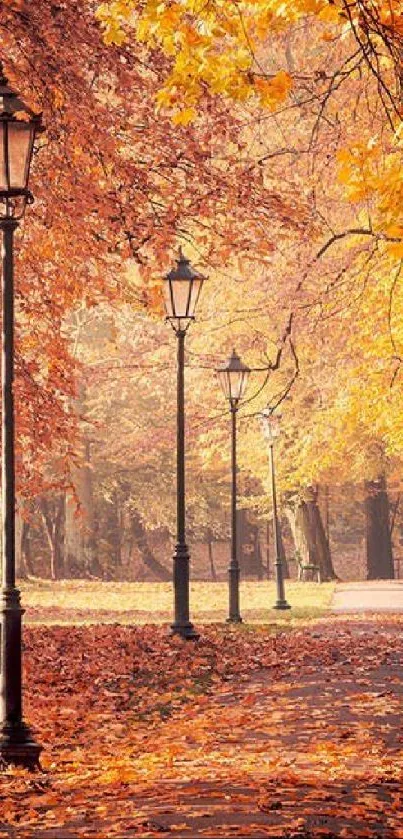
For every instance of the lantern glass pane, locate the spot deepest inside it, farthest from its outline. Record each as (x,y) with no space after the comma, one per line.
(180,294)
(3,173)
(194,295)
(238,384)
(224,379)
(244,382)
(266,428)
(271,427)
(168,299)
(20,141)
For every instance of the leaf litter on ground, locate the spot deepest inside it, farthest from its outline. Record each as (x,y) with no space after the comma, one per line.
(249,733)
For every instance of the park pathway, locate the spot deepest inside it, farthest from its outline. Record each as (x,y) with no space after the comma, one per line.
(312,753)
(290,735)
(369,596)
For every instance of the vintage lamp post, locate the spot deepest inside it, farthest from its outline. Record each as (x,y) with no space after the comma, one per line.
(271,430)
(233,378)
(182,287)
(18,127)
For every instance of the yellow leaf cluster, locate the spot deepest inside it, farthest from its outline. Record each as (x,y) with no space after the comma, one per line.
(357,170)
(185,116)
(370,175)
(273,91)
(114,16)
(213,43)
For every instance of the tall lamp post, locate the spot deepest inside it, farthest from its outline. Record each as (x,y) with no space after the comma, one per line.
(271,431)
(233,377)
(18,127)
(182,287)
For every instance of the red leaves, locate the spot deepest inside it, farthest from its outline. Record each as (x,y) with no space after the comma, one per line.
(109,181)
(145,734)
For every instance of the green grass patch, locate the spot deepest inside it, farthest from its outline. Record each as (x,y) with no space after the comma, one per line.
(85,602)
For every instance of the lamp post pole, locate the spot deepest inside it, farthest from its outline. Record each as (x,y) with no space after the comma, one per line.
(281,602)
(182,624)
(182,287)
(233,570)
(233,378)
(16,743)
(18,127)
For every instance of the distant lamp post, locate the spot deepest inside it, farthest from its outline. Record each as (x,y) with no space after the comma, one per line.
(271,430)
(18,127)
(233,378)
(182,287)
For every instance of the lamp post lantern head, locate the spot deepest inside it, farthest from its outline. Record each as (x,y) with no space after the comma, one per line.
(233,377)
(18,127)
(182,287)
(270,426)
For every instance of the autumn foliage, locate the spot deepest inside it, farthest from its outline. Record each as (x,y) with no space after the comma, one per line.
(103,196)
(250,733)
(320,86)
(265,137)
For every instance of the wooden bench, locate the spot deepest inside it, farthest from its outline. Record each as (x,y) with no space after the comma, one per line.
(309,567)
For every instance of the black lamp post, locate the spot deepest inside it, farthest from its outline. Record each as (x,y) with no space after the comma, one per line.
(233,378)
(182,287)
(271,431)
(18,126)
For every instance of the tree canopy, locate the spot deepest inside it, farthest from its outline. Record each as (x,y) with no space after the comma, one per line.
(266,138)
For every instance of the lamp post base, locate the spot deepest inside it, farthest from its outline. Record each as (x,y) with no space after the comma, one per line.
(182,625)
(17,747)
(186,631)
(282,604)
(234,614)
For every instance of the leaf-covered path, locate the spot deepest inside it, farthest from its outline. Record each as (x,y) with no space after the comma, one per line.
(241,734)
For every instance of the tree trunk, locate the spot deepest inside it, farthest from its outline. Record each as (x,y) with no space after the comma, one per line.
(327,513)
(20,570)
(378,535)
(52,513)
(149,560)
(81,523)
(126,536)
(286,570)
(23,554)
(309,533)
(26,557)
(210,555)
(259,557)
(269,543)
(119,540)
(249,553)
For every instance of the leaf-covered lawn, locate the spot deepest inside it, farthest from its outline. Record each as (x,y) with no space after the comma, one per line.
(81,601)
(238,734)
